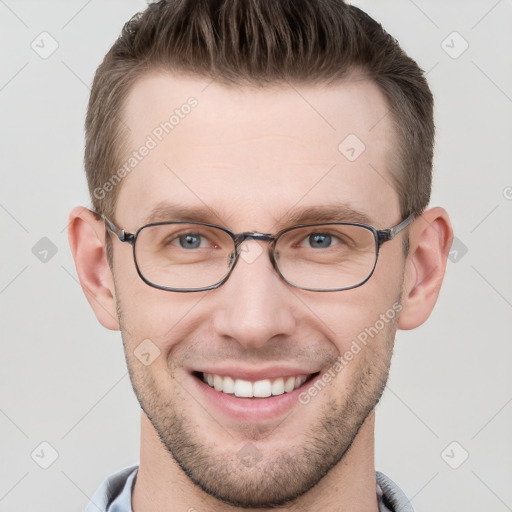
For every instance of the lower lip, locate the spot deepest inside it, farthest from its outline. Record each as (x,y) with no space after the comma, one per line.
(252,409)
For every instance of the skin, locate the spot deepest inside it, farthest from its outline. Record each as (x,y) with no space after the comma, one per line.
(254,155)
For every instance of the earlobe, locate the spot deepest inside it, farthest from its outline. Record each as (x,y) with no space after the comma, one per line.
(86,237)
(430,239)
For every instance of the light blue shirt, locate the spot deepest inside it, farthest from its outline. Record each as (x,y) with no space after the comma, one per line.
(115,494)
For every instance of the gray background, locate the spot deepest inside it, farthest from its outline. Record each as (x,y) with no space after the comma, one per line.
(62,376)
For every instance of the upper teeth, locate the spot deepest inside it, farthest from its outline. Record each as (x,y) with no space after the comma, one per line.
(259,388)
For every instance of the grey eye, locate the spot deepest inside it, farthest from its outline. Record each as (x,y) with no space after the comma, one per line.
(190,241)
(319,240)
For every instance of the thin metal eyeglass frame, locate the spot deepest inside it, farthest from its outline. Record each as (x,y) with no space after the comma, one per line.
(380,236)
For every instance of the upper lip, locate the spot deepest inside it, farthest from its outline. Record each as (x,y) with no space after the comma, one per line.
(255,374)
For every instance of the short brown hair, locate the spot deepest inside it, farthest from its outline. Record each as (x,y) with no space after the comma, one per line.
(261,42)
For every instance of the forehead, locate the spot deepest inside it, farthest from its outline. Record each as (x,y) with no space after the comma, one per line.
(251,155)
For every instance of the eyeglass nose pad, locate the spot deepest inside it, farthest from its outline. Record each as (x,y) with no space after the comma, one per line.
(231,258)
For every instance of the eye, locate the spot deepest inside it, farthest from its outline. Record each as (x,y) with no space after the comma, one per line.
(189,240)
(319,240)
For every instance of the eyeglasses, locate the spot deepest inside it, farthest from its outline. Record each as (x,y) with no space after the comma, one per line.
(186,256)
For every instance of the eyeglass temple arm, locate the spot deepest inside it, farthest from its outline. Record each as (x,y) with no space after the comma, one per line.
(389,234)
(120,233)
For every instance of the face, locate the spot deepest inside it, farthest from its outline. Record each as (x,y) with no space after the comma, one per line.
(249,159)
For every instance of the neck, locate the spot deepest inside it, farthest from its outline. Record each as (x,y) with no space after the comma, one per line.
(162,486)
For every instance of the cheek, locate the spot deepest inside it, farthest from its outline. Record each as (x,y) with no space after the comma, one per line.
(354,314)
(147,313)
(361,323)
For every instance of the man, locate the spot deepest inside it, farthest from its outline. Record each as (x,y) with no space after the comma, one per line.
(259,173)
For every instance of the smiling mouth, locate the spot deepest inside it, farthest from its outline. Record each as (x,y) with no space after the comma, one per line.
(254,389)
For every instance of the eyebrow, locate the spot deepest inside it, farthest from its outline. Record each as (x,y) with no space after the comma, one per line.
(324,213)
(168,212)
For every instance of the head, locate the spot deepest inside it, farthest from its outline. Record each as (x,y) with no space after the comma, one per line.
(256,116)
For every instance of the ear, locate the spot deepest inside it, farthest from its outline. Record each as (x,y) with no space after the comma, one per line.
(86,235)
(430,238)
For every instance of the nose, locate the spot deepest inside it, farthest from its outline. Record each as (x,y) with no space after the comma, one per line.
(254,305)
